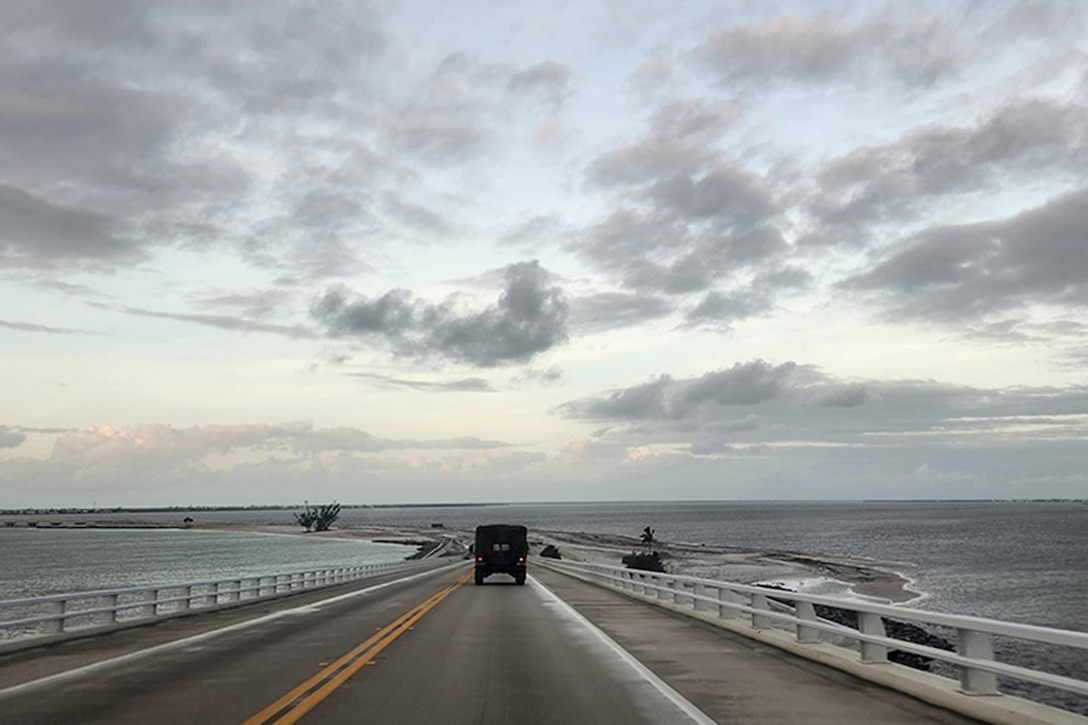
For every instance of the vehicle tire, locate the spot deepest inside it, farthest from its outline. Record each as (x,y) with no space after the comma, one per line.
(519,578)
(479,579)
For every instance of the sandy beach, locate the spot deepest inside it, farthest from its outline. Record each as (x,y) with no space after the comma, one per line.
(799,571)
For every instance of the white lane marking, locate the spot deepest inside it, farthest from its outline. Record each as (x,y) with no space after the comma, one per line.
(95,667)
(682,703)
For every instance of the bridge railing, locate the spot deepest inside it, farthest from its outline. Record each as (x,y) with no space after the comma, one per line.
(761,608)
(59,616)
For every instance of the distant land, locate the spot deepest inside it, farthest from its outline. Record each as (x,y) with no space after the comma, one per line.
(31,511)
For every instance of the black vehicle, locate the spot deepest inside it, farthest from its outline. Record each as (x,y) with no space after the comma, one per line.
(501,548)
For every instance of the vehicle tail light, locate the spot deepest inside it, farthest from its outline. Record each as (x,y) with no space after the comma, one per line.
(521,559)
(479,558)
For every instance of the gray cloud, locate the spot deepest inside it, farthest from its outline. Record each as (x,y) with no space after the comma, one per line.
(718,309)
(1040,137)
(10,437)
(652,74)
(33,229)
(256,305)
(918,52)
(436,133)
(611,310)
(447,118)
(667,399)
(109,447)
(152,111)
(535,231)
(548,80)
(529,317)
(665,251)
(722,309)
(687,218)
(414,215)
(844,396)
(226,322)
(31,327)
(792,413)
(464,385)
(694,118)
(647,159)
(726,193)
(973,271)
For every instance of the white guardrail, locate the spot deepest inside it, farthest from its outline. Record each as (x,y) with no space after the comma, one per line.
(59,616)
(762,608)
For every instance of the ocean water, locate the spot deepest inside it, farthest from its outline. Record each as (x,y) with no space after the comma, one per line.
(1016,561)
(37,562)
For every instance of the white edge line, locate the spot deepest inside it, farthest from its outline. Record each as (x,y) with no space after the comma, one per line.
(94,667)
(643,671)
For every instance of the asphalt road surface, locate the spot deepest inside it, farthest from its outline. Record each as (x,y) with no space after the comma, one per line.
(435,649)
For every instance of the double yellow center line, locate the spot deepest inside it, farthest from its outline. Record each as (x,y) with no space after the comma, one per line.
(291,707)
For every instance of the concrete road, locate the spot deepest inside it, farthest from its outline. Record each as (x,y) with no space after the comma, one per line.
(433,649)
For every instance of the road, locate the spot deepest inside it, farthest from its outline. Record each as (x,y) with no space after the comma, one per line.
(434,649)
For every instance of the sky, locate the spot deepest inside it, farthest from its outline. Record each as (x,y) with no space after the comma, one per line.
(262,252)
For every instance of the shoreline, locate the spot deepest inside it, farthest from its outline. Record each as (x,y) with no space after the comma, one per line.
(843,577)
(814,573)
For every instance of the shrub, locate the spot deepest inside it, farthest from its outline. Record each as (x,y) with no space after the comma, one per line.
(318,518)
(551,551)
(645,562)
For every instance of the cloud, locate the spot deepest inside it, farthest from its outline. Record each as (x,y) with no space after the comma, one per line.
(464,385)
(667,399)
(793,416)
(611,310)
(652,74)
(920,51)
(11,437)
(687,218)
(106,445)
(667,250)
(694,118)
(973,271)
(33,230)
(259,304)
(224,463)
(646,159)
(31,327)
(548,80)
(226,322)
(722,309)
(530,317)
(414,215)
(168,124)
(447,118)
(1041,137)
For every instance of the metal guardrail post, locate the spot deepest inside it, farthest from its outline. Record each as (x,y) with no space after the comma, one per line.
(148,608)
(111,602)
(55,625)
(977,646)
(871,652)
(698,592)
(806,612)
(760,603)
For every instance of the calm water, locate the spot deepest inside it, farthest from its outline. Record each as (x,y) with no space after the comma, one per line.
(1021,562)
(35,562)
